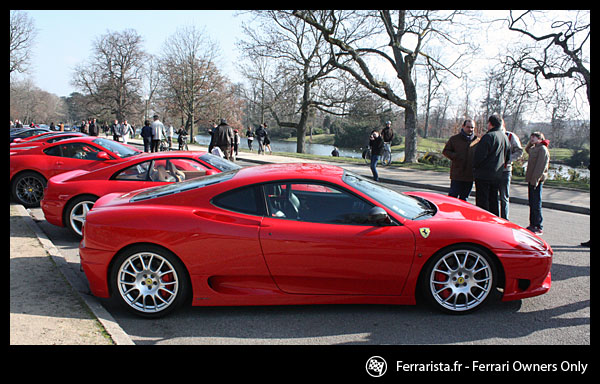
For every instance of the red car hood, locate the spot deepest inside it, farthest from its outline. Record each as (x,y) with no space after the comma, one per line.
(450,208)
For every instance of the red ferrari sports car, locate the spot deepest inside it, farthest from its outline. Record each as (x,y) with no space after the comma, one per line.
(303,234)
(30,169)
(69,196)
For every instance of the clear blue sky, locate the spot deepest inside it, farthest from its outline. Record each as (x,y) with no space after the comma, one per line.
(65,38)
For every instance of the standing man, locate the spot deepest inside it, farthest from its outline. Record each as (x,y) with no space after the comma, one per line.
(387,134)
(261,133)
(114,128)
(94,128)
(460,149)
(516,151)
(491,154)
(222,137)
(376,144)
(147,136)
(158,132)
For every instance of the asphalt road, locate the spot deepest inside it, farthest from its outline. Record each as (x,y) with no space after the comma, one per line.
(560,317)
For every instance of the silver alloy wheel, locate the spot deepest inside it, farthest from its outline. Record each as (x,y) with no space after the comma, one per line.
(148,282)
(30,190)
(78,214)
(461,280)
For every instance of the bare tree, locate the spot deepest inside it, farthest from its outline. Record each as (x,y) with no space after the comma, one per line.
(22,35)
(562,52)
(190,75)
(302,64)
(353,37)
(113,74)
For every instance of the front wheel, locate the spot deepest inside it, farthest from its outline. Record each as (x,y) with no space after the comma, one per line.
(149,281)
(459,280)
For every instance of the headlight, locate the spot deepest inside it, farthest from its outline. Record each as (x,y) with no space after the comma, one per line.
(524,237)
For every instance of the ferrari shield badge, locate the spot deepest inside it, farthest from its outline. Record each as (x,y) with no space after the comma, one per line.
(424,232)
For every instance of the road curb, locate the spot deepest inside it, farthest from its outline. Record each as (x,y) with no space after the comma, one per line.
(116,333)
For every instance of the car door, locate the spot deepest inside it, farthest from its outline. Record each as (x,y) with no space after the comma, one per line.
(324,244)
(70,156)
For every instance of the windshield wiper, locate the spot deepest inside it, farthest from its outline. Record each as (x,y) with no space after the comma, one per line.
(425,213)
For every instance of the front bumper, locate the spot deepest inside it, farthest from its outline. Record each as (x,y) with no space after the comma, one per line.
(526,275)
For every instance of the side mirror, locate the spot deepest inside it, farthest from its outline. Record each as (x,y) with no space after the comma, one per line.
(378,215)
(103,155)
(210,172)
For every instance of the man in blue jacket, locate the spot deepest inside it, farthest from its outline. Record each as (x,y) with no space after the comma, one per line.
(491,154)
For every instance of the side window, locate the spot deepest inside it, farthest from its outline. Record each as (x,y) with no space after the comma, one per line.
(243,200)
(80,151)
(53,151)
(186,168)
(138,172)
(176,170)
(317,203)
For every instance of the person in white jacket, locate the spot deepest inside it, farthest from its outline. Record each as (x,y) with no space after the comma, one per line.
(158,133)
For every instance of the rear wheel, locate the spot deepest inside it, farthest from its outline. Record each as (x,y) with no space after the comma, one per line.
(149,281)
(459,279)
(28,189)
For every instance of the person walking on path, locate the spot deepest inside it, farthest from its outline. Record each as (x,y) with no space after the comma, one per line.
(260,134)
(537,173)
(250,136)
(222,137)
(491,154)
(158,133)
(376,144)
(127,131)
(516,151)
(460,149)
(147,136)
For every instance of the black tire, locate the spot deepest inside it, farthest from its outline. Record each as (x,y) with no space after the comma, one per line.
(149,281)
(27,188)
(75,213)
(459,279)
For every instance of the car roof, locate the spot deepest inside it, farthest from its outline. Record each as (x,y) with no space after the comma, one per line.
(311,171)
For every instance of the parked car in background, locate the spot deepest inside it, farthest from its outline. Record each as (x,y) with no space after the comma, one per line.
(22,133)
(70,195)
(30,169)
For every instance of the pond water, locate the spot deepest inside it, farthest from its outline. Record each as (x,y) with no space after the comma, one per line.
(290,146)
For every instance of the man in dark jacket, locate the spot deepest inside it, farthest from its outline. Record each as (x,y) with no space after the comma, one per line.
(222,137)
(491,154)
(460,149)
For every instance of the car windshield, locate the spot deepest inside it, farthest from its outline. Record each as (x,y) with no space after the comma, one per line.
(219,162)
(183,186)
(116,148)
(406,206)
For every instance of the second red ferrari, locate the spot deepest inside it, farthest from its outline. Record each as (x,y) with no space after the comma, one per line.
(31,168)
(69,196)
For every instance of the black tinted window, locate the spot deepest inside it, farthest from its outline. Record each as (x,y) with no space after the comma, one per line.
(244,200)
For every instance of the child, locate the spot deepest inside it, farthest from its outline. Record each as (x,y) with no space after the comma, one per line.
(537,173)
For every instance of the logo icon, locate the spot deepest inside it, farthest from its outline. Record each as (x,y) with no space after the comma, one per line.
(376,366)
(424,232)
